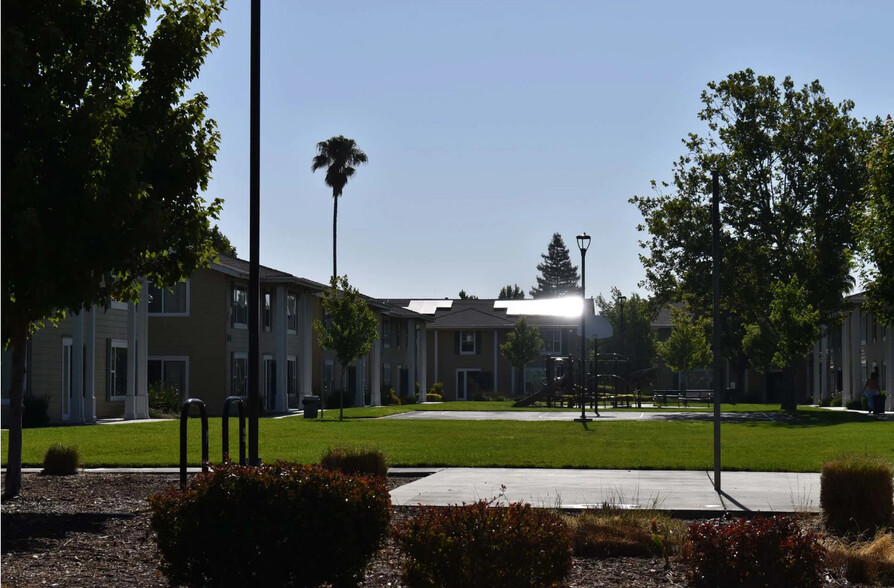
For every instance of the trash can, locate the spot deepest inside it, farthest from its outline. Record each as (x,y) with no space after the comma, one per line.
(311,406)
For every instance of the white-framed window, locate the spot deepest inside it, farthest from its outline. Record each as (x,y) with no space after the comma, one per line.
(66,378)
(292,314)
(239,374)
(269,383)
(268,311)
(552,341)
(239,307)
(292,375)
(117,368)
(386,333)
(170,371)
(467,342)
(169,301)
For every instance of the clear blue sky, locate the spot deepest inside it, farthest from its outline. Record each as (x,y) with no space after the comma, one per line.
(491,125)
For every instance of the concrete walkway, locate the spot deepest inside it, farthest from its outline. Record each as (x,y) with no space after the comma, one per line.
(677,491)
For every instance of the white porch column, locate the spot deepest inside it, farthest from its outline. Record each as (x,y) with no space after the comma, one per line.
(889,368)
(496,360)
(434,335)
(360,379)
(856,381)
(411,357)
(136,403)
(76,411)
(422,338)
(375,389)
(305,356)
(824,365)
(847,351)
(817,360)
(90,375)
(130,405)
(280,332)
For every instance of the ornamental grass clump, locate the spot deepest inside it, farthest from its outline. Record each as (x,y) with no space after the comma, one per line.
(615,532)
(61,460)
(484,546)
(761,552)
(857,495)
(348,460)
(869,562)
(275,525)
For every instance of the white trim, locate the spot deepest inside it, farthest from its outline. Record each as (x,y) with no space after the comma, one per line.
(474,342)
(67,350)
(111,368)
(456,381)
(117,304)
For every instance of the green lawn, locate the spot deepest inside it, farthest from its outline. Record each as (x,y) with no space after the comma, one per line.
(817,437)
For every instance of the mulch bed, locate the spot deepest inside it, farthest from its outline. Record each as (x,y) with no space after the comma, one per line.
(93,530)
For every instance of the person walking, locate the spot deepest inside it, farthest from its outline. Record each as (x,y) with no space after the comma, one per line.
(871,391)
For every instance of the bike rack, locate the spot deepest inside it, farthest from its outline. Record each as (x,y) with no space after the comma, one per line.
(184,417)
(225,427)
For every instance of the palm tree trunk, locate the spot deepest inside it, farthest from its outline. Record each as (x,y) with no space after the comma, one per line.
(334,233)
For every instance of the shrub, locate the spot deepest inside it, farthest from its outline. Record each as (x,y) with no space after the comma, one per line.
(61,460)
(355,461)
(436,388)
(389,397)
(36,411)
(761,552)
(408,400)
(432,397)
(164,398)
(859,404)
(869,562)
(479,545)
(857,495)
(274,525)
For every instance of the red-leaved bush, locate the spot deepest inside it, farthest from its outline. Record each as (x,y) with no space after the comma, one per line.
(482,546)
(761,552)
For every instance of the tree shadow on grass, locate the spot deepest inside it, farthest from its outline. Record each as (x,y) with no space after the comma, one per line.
(25,531)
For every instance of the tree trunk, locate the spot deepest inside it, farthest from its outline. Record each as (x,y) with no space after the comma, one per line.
(13,483)
(334,233)
(341,393)
(789,398)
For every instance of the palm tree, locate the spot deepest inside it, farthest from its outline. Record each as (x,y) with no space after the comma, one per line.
(338,155)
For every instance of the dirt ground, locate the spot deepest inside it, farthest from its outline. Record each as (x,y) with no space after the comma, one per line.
(92,530)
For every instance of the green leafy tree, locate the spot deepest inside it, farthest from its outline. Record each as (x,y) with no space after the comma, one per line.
(513,292)
(221,243)
(790,164)
(631,319)
(464,296)
(687,347)
(876,225)
(557,275)
(522,346)
(103,165)
(340,156)
(350,327)
(786,336)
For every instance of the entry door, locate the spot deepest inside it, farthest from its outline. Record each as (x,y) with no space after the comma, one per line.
(465,380)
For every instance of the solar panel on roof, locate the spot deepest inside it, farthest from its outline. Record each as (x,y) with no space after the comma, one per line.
(428,306)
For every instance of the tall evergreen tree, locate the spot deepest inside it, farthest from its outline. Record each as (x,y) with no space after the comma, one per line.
(557,275)
(513,292)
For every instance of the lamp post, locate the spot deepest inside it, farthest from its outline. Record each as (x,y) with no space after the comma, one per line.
(583,243)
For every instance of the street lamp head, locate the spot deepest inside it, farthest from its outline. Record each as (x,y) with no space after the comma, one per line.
(583,243)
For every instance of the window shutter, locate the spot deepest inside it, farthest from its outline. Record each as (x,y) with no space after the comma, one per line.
(477,342)
(456,343)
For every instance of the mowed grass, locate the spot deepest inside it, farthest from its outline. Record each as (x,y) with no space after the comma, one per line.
(802,446)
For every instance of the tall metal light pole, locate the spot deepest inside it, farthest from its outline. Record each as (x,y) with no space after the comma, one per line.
(621,300)
(254,283)
(583,243)
(718,370)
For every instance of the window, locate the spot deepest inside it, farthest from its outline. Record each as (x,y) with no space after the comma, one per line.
(268,311)
(329,375)
(292,376)
(269,383)
(467,342)
(117,367)
(170,301)
(292,313)
(386,374)
(239,307)
(552,342)
(239,374)
(170,372)
(386,333)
